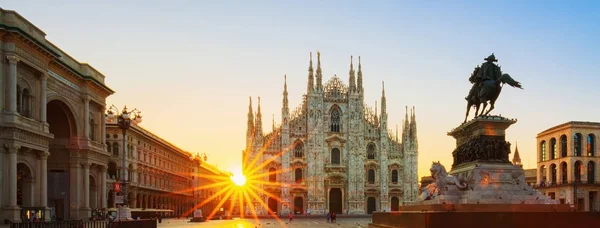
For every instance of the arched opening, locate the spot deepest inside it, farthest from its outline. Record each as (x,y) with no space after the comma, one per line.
(272,175)
(578,171)
(563,172)
(552,148)
(130,173)
(298,205)
(395,204)
(298,175)
(110,199)
(543,175)
(563,146)
(92,128)
(591,145)
(112,170)
(272,205)
(335,119)
(24,107)
(335,156)
(93,193)
(335,200)
(371,205)
(543,151)
(24,185)
(577,144)
(553,173)
(371,176)
(299,149)
(371,151)
(115,149)
(591,172)
(394,176)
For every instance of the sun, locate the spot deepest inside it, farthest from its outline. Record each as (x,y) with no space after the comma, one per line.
(238,179)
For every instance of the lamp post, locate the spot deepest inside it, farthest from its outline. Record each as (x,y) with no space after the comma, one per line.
(124,120)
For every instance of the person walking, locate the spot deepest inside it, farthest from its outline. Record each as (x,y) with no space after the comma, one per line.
(333,217)
(328,217)
(291,216)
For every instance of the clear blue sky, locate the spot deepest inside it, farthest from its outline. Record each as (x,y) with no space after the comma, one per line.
(191,65)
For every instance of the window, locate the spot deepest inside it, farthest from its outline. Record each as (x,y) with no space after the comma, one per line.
(591,172)
(543,150)
(563,145)
(335,156)
(371,151)
(25,103)
(394,176)
(577,144)
(298,175)
(335,120)
(115,149)
(108,147)
(272,175)
(578,170)
(563,172)
(552,148)
(371,176)
(299,149)
(92,129)
(591,145)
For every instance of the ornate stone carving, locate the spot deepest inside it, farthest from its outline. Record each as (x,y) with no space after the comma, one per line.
(482,148)
(12,59)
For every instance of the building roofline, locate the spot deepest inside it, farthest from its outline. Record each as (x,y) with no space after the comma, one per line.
(567,125)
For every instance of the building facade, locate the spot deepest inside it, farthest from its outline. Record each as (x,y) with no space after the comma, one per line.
(567,159)
(333,152)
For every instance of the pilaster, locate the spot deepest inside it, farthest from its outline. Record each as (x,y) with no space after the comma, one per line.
(86,114)
(74,189)
(43,101)
(12,83)
(103,190)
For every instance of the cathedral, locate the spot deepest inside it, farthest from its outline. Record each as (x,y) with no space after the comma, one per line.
(333,153)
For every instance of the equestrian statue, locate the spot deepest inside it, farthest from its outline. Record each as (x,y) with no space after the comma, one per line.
(487,83)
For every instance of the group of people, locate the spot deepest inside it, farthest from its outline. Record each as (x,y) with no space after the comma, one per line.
(331,216)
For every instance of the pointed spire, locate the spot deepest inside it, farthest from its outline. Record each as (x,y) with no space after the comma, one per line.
(258,120)
(359,85)
(516,157)
(352,80)
(376,116)
(250,118)
(273,122)
(396,132)
(405,127)
(383,102)
(311,80)
(413,127)
(285,107)
(319,73)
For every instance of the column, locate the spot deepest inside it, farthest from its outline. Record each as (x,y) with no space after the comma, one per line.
(103,187)
(103,127)
(43,103)
(74,189)
(3,94)
(86,117)
(86,184)
(44,178)
(12,175)
(12,85)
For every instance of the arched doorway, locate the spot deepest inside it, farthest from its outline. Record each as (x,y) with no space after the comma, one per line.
(272,205)
(93,193)
(298,205)
(335,200)
(24,186)
(371,205)
(395,204)
(63,126)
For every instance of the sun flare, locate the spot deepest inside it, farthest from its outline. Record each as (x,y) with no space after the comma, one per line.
(238,179)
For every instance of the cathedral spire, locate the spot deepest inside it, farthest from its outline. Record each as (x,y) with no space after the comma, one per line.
(311,80)
(352,80)
(413,128)
(517,158)
(258,120)
(383,102)
(285,107)
(273,122)
(319,73)
(376,116)
(359,80)
(250,119)
(405,127)
(396,132)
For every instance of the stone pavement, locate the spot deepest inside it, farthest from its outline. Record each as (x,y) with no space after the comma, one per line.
(313,222)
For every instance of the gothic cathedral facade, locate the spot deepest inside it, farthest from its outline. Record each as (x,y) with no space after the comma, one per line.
(332,153)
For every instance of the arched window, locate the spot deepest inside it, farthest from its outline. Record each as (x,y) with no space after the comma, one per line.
(563,145)
(108,147)
(371,151)
(335,156)
(543,174)
(563,172)
(578,171)
(591,145)
(298,175)
(543,150)
(25,103)
(335,120)
(272,175)
(299,149)
(553,173)
(371,176)
(394,176)
(92,129)
(591,172)
(19,99)
(115,149)
(552,148)
(577,144)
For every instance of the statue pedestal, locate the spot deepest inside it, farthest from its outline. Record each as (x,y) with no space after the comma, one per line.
(123,213)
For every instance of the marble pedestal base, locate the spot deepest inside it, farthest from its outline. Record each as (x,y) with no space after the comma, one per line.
(11,213)
(123,213)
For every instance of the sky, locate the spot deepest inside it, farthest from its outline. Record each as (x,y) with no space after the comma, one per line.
(190,66)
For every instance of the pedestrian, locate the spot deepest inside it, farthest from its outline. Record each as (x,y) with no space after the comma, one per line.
(328,217)
(333,217)
(291,216)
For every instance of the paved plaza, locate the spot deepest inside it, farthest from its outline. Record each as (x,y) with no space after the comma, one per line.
(313,222)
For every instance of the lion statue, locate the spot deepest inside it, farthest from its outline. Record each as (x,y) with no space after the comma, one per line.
(441,180)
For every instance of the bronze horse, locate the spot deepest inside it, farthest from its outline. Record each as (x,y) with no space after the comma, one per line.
(485,91)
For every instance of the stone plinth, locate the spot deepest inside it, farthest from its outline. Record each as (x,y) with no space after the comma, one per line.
(123,213)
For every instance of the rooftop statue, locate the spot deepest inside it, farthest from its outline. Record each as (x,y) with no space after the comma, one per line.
(487,83)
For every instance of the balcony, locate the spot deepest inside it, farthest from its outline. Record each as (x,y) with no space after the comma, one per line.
(338,168)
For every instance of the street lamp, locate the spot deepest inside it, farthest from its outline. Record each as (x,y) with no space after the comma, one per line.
(124,120)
